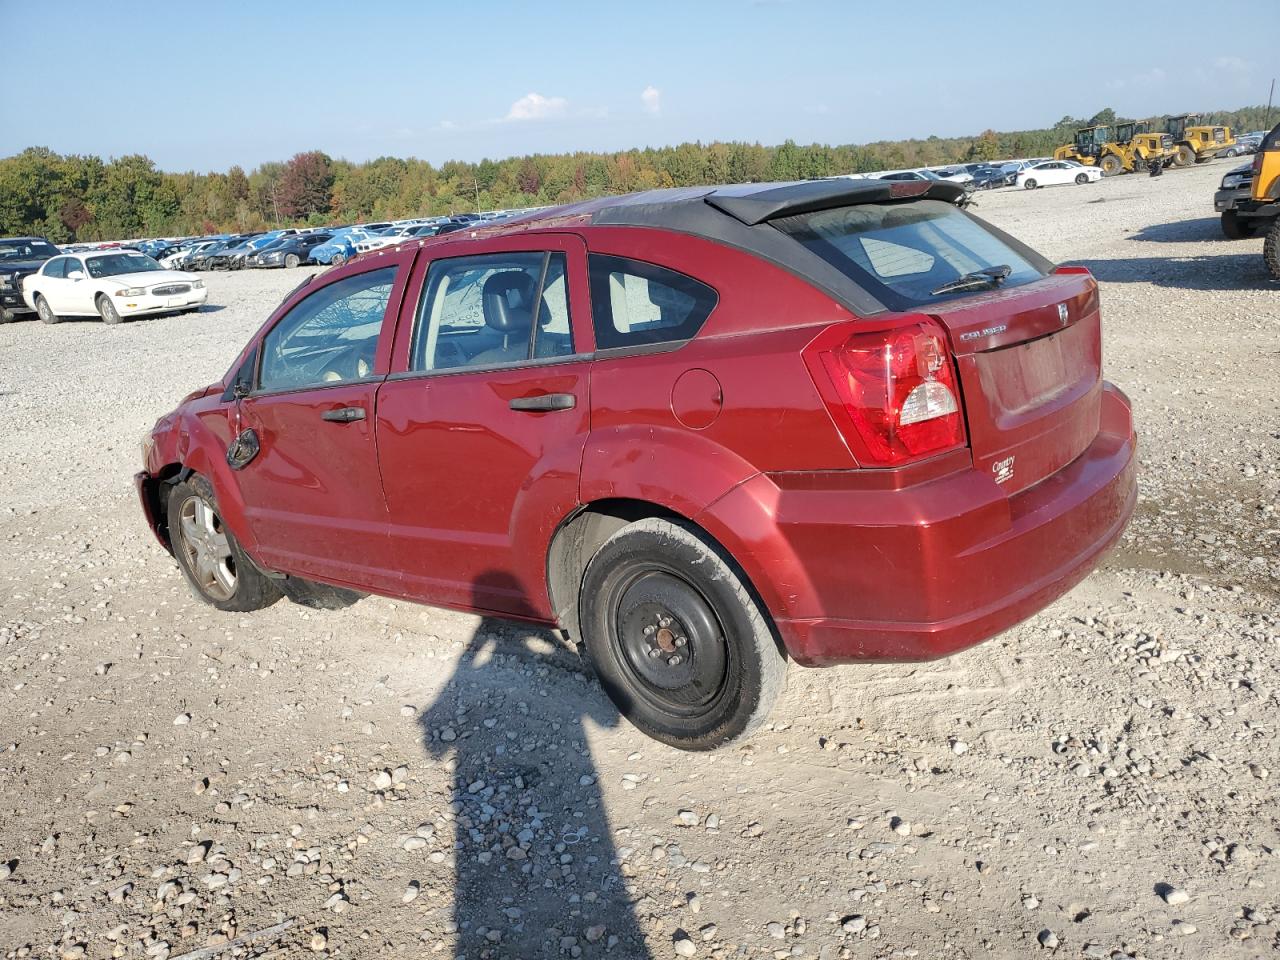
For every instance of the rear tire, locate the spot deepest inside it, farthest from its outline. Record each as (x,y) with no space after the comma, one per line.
(218,571)
(44,311)
(1234,227)
(1029,184)
(678,641)
(107,310)
(1271,250)
(338,260)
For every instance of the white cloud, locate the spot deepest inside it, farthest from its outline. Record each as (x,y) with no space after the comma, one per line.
(651,100)
(448,125)
(534,106)
(1233,65)
(817,109)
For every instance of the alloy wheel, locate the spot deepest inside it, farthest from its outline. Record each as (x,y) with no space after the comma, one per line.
(207,550)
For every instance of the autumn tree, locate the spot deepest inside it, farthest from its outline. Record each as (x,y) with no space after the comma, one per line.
(305,185)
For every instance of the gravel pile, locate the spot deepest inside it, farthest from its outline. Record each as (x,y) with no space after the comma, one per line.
(391,780)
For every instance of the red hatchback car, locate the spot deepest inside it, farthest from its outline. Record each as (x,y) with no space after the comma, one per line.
(705,430)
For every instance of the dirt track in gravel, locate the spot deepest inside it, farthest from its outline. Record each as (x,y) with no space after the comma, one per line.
(394,780)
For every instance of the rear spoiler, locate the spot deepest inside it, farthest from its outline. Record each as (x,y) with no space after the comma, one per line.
(753,206)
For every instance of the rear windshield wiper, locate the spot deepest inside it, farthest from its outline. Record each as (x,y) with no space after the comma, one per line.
(986,277)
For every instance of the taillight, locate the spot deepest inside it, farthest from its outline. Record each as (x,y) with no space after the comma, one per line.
(896,387)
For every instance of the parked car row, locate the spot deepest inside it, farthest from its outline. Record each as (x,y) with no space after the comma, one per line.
(986,175)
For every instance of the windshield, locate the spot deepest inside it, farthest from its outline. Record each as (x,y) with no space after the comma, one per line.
(114,264)
(902,251)
(27,250)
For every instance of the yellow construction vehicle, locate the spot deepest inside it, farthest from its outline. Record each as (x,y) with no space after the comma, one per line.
(1259,213)
(1196,142)
(1128,146)
(1135,147)
(1089,148)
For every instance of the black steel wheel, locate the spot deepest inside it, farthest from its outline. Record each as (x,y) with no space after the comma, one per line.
(680,644)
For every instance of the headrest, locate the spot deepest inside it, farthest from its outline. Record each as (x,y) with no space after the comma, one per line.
(507,300)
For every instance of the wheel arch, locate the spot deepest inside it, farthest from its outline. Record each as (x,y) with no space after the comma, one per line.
(576,540)
(581,535)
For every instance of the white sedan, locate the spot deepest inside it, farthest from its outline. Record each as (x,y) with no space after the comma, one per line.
(1051,172)
(111,284)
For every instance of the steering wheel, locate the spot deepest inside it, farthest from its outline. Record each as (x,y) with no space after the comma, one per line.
(350,364)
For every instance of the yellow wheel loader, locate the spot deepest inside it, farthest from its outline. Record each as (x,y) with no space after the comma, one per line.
(1196,142)
(1136,148)
(1093,147)
(1129,146)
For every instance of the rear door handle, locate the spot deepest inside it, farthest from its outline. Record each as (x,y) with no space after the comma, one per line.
(546,402)
(343,414)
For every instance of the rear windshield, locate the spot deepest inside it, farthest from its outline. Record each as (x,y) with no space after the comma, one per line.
(902,252)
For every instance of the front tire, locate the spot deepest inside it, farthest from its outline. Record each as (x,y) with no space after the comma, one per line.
(291,260)
(1029,184)
(218,571)
(7,315)
(338,260)
(1236,228)
(107,310)
(1111,165)
(44,311)
(680,644)
(1186,156)
(1271,250)
(1082,178)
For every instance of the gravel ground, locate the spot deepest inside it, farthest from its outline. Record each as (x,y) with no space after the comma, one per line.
(393,780)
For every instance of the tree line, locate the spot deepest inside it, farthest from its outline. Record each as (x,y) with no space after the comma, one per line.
(82,197)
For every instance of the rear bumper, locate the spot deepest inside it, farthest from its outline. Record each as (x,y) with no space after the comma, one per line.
(925,571)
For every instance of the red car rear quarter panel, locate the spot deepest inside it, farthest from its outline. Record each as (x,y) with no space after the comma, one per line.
(926,570)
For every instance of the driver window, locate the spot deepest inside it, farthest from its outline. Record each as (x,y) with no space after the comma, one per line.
(330,337)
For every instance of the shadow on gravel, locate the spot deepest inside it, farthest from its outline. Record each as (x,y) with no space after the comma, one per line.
(536,872)
(211,308)
(1242,271)
(1183,231)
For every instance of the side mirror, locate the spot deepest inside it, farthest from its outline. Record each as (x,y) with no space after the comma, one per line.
(75,275)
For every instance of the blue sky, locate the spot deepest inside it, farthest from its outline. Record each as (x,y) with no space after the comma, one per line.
(206,85)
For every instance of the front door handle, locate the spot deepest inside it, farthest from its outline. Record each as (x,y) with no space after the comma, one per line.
(545,402)
(343,414)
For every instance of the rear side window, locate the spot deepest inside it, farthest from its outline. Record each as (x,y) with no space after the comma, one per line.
(635,303)
(901,252)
